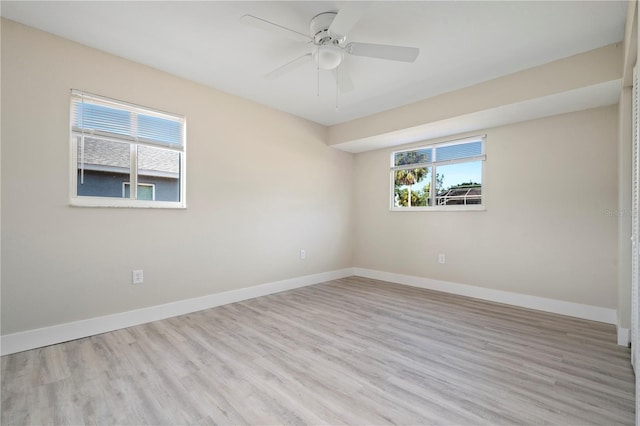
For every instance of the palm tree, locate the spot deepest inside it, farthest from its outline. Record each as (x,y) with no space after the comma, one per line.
(408,177)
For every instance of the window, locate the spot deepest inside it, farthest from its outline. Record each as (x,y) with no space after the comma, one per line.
(125,155)
(146,191)
(445,176)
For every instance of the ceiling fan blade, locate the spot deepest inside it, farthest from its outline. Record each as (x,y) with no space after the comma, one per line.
(347,18)
(288,67)
(343,79)
(272,27)
(383,51)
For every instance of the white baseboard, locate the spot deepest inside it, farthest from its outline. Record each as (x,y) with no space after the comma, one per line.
(594,313)
(31,339)
(624,336)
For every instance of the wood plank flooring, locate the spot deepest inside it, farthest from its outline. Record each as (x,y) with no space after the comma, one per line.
(352,351)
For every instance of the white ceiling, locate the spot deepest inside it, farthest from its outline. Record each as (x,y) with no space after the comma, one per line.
(461,43)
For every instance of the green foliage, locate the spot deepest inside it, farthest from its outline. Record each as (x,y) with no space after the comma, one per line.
(418,198)
(439,182)
(469,184)
(405,179)
(411,157)
(410,176)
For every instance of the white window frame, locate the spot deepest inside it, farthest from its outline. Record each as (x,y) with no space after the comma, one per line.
(95,201)
(434,165)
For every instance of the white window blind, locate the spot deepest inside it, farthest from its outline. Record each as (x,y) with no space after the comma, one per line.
(446,152)
(100,116)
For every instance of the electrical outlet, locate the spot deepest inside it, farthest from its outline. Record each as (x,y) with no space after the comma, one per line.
(441,258)
(303,254)
(137,276)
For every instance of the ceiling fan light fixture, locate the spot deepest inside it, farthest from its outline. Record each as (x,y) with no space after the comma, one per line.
(328,57)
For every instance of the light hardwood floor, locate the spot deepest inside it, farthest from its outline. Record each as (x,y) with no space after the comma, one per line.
(351,351)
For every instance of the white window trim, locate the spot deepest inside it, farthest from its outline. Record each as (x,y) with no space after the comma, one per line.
(435,208)
(87,201)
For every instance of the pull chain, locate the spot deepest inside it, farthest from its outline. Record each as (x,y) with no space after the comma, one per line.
(318,75)
(337,88)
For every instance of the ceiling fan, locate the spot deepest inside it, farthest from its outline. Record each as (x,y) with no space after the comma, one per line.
(328,33)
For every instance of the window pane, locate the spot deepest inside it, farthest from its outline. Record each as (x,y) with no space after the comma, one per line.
(412,187)
(417,156)
(103,166)
(459,151)
(160,167)
(461,184)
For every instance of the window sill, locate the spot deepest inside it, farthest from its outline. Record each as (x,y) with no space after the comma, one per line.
(124,203)
(473,208)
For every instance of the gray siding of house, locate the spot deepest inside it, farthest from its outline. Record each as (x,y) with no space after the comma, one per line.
(109,184)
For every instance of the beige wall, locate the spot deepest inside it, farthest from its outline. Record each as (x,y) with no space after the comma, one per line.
(261,185)
(550,228)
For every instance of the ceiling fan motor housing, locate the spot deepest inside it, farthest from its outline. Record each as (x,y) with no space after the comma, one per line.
(319,28)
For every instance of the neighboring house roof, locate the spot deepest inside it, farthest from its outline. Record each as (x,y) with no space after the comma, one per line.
(102,155)
(461,195)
